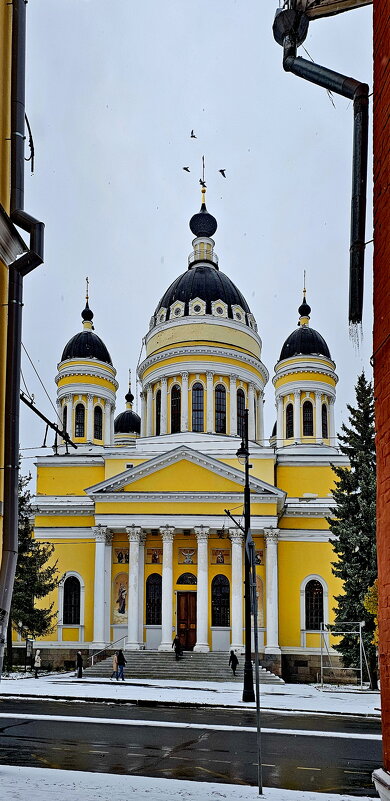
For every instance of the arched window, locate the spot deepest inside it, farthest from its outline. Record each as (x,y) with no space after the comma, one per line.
(98,423)
(240,412)
(289,421)
(324,415)
(79,421)
(187,578)
(197,407)
(314,605)
(175,409)
(65,418)
(220,409)
(220,601)
(158,412)
(153,599)
(71,610)
(307,412)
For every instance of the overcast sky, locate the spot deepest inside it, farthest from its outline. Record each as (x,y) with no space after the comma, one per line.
(113,91)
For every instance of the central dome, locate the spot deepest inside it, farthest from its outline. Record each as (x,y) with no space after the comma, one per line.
(205,282)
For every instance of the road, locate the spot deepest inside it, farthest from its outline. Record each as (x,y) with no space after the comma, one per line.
(338,756)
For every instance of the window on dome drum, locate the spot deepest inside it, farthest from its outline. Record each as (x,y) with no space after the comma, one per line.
(324,414)
(240,412)
(314,605)
(158,412)
(65,418)
(153,599)
(197,407)
(289,421)
(220,409)
(79,421)
(307,412)
(71,611)
(175,409)
(98,423)
(220,601)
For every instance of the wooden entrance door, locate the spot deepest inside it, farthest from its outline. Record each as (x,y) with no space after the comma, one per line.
(186,619)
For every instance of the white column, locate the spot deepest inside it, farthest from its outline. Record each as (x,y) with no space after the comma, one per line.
(107,586)
(167,534)
(233,406)
(133,533)
(332,433)
(210,403)
(99,533)
(251,415)
(237,539)
(272,597)
(89,418)
(318,431)
(107,422)
(164,403)
(260,418)
(202,594)
(141,589)
(297,415)
(112,433)
(184,402)
(149,411)
(143,413)
(279,425)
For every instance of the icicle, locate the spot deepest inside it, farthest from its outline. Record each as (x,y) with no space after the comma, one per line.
(356,335)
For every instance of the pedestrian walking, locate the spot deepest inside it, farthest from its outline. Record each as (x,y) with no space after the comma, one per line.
(79,665)
(233,661)
(177,646)
(37,663)
(114,674)
(121,664)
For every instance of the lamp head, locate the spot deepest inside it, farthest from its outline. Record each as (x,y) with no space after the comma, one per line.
(242,454)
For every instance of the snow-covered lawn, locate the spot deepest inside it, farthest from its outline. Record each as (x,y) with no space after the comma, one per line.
(41,784)
(300,697)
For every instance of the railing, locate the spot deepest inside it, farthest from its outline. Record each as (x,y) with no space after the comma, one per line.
(107,645)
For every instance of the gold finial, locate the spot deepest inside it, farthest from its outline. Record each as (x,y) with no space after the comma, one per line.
(87,289)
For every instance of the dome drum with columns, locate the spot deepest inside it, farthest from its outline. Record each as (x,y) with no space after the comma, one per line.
(137,514)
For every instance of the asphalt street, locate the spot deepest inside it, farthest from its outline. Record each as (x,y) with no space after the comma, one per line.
(332,759)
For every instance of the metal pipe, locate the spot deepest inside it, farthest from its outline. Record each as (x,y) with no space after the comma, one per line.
(248,693)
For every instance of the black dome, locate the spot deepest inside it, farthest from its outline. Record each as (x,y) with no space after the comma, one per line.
(205,282)
(127,422)
(86,345)
(203,223)
(304,341)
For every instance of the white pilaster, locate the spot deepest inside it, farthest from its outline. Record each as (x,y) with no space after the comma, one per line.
(89,418)
(279,424)
(332,433)
(133,644)
(202,595)
(141,586)
(164,406)
(260,418)
(272,596)
(251,415)
(143,414)
(184,402)
(99,532)
(112,433)
(318,431)
(237,539)
(297,416)
(107,422)
(210,402)
(233,405)
(167,534)
(107,586)
(149,412)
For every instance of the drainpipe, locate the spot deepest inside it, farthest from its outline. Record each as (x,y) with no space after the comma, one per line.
(290,30)
(16,272)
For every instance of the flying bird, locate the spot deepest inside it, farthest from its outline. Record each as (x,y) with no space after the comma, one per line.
(202,183)
(187,169)
(223,172)
(193,135)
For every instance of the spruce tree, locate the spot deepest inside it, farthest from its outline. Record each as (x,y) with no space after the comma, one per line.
(353,524)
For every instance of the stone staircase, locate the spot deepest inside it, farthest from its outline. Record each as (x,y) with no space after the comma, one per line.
(192,666)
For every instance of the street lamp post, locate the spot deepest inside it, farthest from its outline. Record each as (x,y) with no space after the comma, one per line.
(248,693)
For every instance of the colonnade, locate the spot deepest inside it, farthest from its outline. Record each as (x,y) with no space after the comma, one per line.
(299,397)
(69,402)
(135,597)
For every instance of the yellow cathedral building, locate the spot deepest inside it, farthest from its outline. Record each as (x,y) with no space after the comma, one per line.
(137,512)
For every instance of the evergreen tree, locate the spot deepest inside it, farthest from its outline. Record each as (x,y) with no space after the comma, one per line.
(353,524)
(35,577)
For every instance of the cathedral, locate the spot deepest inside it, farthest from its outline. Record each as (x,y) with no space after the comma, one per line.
(137,512)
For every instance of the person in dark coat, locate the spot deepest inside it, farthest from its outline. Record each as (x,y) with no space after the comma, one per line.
(177,646)
(79,665)
(121,665)
(233,661)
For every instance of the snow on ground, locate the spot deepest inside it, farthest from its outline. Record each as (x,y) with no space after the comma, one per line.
(42,784)
(288,697)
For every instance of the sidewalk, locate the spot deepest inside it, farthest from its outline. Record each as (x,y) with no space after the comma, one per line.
(288,697)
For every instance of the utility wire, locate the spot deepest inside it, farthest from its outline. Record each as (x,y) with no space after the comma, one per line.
(41,382)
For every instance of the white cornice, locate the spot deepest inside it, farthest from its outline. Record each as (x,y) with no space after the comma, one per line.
(305,535)
(58,533)
(63,505)
(120,522)
(180,497)
(309,507)
(310,456)
(304,362)
(205,350)
(304,386)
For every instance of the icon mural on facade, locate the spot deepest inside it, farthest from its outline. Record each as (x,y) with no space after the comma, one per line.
(220,556)
(154,556)
(259,557)
(120,588)
(187,556)
(121,556)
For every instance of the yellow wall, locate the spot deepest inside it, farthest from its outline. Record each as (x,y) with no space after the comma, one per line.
(67,480)
(297,480)
(300,376)
(190,333)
